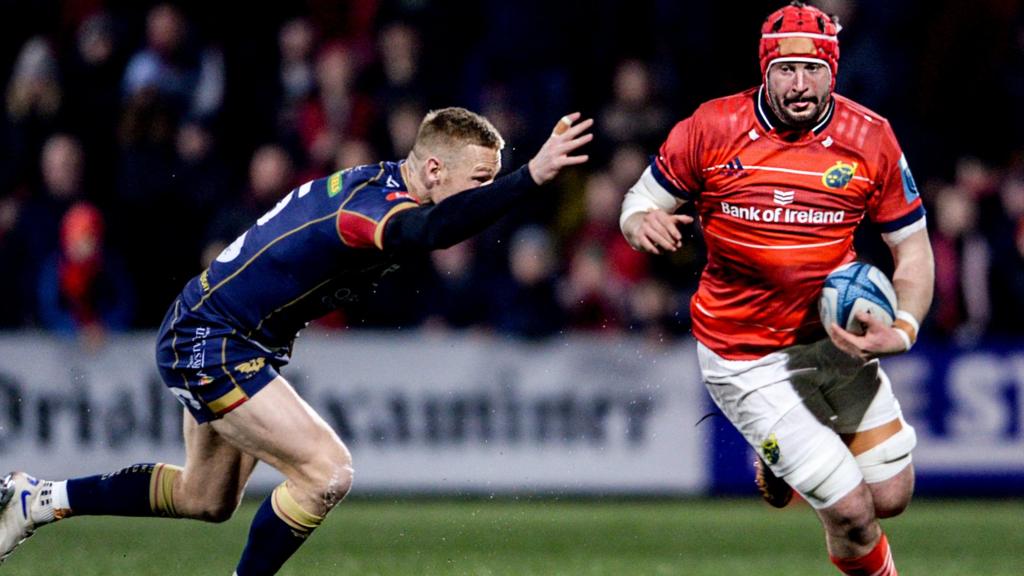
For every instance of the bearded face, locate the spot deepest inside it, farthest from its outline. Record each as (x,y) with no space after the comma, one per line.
(798,92)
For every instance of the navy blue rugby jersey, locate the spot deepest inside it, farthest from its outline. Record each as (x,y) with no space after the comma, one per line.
(318,249)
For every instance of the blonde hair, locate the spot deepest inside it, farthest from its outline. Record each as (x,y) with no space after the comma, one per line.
(451,128)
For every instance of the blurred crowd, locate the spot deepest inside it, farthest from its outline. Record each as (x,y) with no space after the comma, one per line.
(141,138)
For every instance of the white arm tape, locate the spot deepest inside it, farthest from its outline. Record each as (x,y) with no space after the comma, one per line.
(895,237)
(647,195)
(909,319)
(907,344)
(914,325)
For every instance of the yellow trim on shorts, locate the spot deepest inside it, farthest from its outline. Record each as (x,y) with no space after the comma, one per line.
(228,401)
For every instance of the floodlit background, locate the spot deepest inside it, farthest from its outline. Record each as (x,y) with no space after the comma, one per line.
(543,358)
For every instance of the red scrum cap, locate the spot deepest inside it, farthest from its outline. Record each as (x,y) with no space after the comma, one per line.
(800,33)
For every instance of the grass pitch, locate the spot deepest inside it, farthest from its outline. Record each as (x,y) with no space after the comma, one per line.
(522,538)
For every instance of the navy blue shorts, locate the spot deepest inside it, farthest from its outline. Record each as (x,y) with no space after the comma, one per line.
(208,366)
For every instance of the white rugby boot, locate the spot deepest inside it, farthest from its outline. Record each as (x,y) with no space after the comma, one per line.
(25,504)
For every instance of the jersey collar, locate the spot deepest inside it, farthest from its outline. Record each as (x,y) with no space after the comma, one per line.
(769,121)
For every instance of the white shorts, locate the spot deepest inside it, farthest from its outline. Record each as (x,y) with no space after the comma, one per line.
(793,404)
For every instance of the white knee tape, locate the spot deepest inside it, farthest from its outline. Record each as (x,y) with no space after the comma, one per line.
(826,475)
(890,457)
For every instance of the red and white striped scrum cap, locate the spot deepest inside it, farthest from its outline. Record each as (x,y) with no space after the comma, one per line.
(800,33)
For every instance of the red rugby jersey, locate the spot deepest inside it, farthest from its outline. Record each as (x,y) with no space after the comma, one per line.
(778,213)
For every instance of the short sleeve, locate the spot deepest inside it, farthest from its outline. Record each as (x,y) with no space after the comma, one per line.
(677,165)
(896,205)
(362,217)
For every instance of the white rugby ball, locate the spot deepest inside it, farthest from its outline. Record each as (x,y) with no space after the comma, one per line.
(853,288)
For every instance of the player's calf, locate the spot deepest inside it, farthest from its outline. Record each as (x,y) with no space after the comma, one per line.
(856,544)
(207,506)
(294,510)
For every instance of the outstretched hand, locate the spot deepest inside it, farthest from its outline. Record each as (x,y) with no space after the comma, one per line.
(655,230)
(567,137)
(878,340)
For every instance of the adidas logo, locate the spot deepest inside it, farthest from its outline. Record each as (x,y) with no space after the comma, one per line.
(734,167)
(784,197)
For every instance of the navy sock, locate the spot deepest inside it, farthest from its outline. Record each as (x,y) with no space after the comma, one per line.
(138,490)
(278,529)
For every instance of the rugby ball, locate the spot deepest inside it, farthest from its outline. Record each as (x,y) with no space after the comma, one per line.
(853,288)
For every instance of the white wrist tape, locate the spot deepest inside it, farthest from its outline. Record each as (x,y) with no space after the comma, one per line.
(905,337)
(909,319)
(906,327)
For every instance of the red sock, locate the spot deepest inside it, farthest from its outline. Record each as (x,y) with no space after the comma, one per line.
(878,562)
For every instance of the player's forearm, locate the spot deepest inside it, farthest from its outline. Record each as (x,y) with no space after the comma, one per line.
(914,277)
(645,196)
(458,217)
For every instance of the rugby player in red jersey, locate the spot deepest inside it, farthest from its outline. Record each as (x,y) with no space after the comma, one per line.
(780,177)
(229,332)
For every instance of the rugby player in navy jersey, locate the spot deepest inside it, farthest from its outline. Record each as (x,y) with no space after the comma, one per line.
(226,336)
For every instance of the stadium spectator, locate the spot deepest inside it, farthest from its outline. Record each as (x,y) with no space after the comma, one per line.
(455,294)
(336,111)
(84,289)
(496,102)
(296,75)
(402,122)
(33,109)
(37,228)
(143,215)
(270,171)
(590,300)
(189,80)
(396,75)
(354,153)
(525,301)
(962,263)
(651,311)
(93,76)
(201,182)
(600,230)
(1007,272)
(635,114)
(626,164)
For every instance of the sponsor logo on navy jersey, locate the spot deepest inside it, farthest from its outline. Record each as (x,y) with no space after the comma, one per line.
(197,360)
(251,367)
(398,195)
(334,185)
